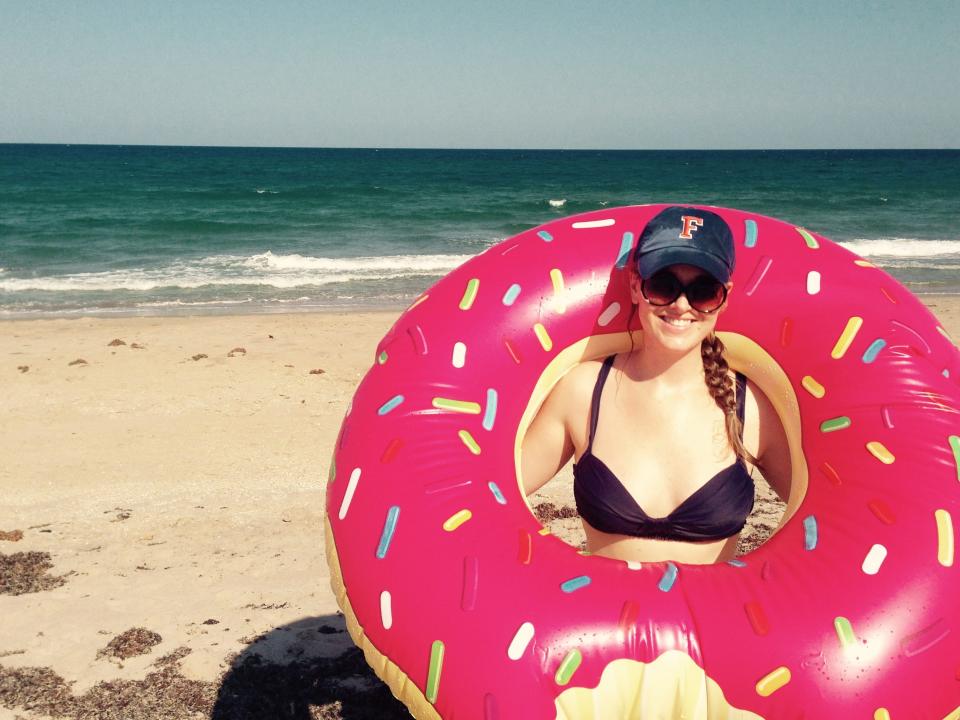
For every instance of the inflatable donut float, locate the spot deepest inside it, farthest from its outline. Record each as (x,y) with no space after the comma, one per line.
(469,609)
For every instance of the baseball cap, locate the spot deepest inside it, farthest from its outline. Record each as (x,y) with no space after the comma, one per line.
(688,236)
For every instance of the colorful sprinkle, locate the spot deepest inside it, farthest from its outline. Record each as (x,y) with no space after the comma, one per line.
(521,640)
(464,406)
(418,338)
(880,452)
(456,520)
(574,584)
(556,279)
(810,533)
(382,357)
(870,354)
(925,639)
(496,493)
(831,474)
(545,236)
(510,296)
(389,528)
(813,282)
(888,296)
(525,549)
(944,537)
(786,332)
(813,387)
(669,577)
(608,314)
(759,272)
(459,355)
(512,350)
(874,559)
(469,294)
(348,496)
(834,424)
(587,224)
(757,617)
(433,673)
(809,239)
(955,447)
(468,440)
(390,404)
(881,714)
(471,581)
(845,632)
(629,614)
(772,682)
(750,230)
(850,331)
(623,256)
(417,301)
(543,336)
(882,512)
(568,667)
(737,563)
(544,531)
(386,610)
(860,262)
(886,414)
(490,412)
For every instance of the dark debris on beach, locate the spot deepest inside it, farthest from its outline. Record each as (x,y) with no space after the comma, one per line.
(26,572)
(135,641)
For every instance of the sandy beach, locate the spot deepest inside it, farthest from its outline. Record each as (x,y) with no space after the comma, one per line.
(161,541)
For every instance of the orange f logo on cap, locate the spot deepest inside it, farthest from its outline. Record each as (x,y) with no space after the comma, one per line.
(690,223)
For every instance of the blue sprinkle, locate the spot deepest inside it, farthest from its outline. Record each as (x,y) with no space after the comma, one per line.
(490,412)
(946,373)
(669,577)
(626,244)
(875,347)
(736,563)
(511,294)
(751,240)
(575,583)
(388,529)
(496,492)
(810,532)
(545,236)
(390,404)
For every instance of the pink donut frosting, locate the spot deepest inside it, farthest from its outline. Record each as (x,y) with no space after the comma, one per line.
(469,609)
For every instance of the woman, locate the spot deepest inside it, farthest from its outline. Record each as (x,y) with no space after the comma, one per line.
(664,436)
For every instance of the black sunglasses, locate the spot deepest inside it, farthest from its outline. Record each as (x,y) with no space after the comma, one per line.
(704,293)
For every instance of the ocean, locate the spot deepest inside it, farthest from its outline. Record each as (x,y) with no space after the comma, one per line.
(140,230)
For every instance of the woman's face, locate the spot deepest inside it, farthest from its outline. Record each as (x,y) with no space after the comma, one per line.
(678,326)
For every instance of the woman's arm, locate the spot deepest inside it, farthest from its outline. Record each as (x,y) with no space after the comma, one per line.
(547,445)
(773,451)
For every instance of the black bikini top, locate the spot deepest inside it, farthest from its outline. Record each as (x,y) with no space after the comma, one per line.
(716,510)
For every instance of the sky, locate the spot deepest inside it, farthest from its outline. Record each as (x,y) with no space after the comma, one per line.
(671,74)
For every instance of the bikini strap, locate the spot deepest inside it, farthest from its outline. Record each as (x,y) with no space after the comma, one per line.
(741,399)
(595,402)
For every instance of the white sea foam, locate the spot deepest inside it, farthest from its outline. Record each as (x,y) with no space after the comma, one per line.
(557,203)
(903,247)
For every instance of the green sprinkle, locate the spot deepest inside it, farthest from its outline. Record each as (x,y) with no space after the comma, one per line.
(468,440)
(808,238)
(470,294)
(433,674)
(463,406)
(382,357)
(568,667)
(955,446)
(844,632)
(833,424)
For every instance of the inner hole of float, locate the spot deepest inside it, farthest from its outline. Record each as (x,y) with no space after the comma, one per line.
(553,504)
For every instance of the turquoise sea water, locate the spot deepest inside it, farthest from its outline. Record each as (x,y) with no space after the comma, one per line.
(155,230)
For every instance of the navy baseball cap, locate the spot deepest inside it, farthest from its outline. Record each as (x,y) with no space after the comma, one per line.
(688,236)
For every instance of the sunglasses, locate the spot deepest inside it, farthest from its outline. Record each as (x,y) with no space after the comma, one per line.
(704,293)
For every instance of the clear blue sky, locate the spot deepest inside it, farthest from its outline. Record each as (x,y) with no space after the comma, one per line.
(492,73)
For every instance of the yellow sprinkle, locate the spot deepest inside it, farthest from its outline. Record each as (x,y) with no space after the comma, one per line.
(846,337)
(881,714)
(543,336)
(880,452)
(809,239)
(544,531)
(418,301)
(813,387)
(456,520)
(463,406)
(556,277)
(469,294)
(864,263)
(944,538)
(468,440)
(769,684)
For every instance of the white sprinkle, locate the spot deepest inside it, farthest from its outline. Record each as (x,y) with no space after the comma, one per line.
(386,610)
(612,310)
(813,282)
(874,559)
(634,565)
(587,224)
(459,355)
(348,497)
(518,645)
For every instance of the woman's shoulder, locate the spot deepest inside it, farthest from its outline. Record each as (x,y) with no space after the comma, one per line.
(574,390)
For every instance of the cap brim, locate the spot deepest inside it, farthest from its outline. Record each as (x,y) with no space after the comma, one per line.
(656,260)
